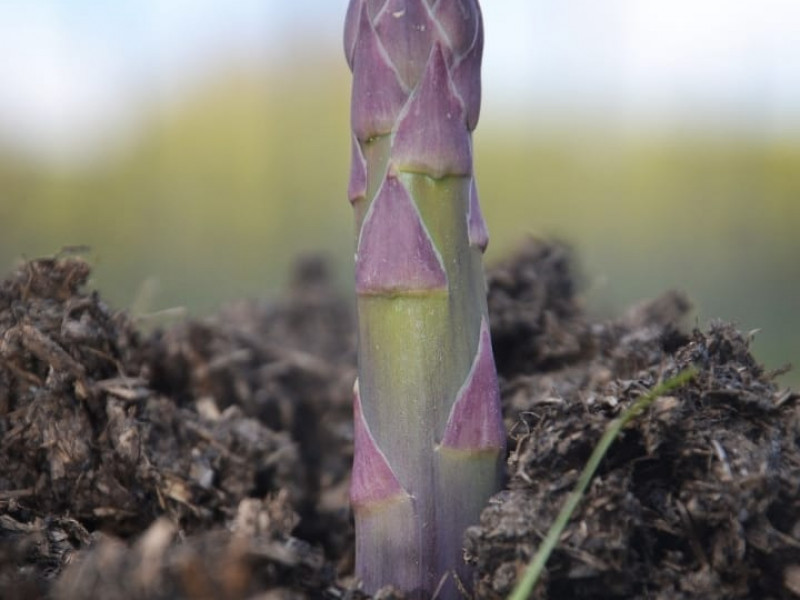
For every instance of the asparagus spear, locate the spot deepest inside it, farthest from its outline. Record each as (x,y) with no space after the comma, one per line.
(429,436)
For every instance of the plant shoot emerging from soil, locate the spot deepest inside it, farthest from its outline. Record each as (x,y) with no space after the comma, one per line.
(429,436)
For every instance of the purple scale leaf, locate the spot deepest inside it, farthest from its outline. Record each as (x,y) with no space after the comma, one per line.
(395,251)
(431,137)
(357,186)
(377,95)
(375,7)
(351,22)
(372,480)
(406,32)
(467,80)
(459,21)
(476,421)
(476,226)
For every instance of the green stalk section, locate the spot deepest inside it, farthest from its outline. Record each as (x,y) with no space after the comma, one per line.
(429,437)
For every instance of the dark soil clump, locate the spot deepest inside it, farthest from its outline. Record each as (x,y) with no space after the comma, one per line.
(210,459)
(199,431)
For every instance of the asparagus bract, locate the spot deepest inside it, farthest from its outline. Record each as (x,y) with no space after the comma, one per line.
(429,436)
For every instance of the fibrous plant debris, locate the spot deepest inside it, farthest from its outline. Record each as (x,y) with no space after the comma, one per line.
(211,458)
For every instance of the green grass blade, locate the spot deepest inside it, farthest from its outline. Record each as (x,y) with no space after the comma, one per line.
(535,567)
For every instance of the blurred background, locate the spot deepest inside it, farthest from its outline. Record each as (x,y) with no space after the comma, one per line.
(197,146)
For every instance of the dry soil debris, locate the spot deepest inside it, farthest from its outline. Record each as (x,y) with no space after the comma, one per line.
(163,440)
(211,458)
(697,499)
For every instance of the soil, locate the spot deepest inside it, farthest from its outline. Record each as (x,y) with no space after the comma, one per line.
(210,459)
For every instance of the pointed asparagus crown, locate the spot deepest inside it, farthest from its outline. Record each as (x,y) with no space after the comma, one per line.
(388,44)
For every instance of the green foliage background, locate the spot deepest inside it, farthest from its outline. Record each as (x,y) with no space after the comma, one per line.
(219,192)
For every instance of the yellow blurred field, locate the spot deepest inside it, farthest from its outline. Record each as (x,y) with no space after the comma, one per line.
(216,194)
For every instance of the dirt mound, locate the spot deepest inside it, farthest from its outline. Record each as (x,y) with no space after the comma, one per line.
(211,459)
(103,431)
(697,499)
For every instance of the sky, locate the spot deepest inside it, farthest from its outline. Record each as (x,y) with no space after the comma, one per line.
(74,67)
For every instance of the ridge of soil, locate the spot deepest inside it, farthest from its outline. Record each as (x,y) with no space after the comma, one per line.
(210,459)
